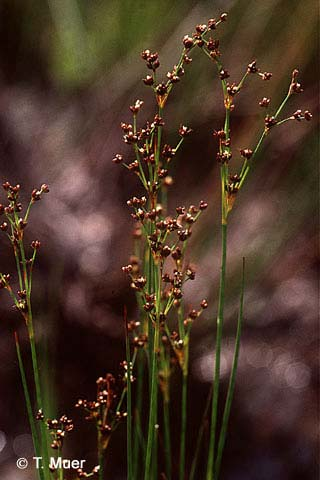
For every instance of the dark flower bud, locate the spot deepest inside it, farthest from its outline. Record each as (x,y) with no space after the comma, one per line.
(161,89)
(187,41)
(177,293)
(4,226)
(193,209)
(44,188)
(177,253)
(191,274)
(269,121)
(212,24)
(246,153)
(193,314)
(145,54)
(134,166)
(212,44)
(136,107)
(168,152)
(307,115)
(224,157)
(35,195)
(127,268)
(204,304)
(118,158)
(201,28)
(39,415)
(22,224)
(264,102)
(172,77)
(148,80)
(223,17)
(220,134)
(35,244)
(184,131)
(187,60)
(297,115)
(296,88)
(165,251)
(203,205)
(252,67)
(140,282)
(180,210)
(183,235)
(148,307)
(224,74)
(158,121)
(6,186)
(162,173)
(265,75)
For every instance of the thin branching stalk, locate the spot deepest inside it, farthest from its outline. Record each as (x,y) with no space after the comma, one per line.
(129,407)
(34,432)
(227,408)
(204,420)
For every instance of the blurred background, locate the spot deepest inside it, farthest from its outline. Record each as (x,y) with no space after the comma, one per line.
(69,70)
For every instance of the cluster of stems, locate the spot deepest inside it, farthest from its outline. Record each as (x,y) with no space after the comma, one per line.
(158,341)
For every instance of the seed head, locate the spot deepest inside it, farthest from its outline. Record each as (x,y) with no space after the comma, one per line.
(265,75)
(35,244)
(212,24)
(118,158)
(246,153)
(184,131)
(148,80)
(187,42)
(269,121)
(224,74)
(264,102)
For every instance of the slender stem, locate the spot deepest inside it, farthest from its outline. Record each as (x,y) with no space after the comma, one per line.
(137,415)
(129,408)
(246,165)
(154,382)
(199,438)
(167,436)
(184,400)
(34,357)
(101,452)
(227,408)
(28,405)
(214,411)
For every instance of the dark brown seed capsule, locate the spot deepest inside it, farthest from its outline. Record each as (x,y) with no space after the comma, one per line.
(187,42)
(264,102)
(246,153)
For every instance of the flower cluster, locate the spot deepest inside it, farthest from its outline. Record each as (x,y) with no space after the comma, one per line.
(107,409)
(14,226)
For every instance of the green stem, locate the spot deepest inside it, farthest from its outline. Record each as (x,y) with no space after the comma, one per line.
(154,377)
(100,456)
(227,408)
(129,409)
(216,380)
(137,415)
(28,405)
(199,438)
(167,436)
(184,400)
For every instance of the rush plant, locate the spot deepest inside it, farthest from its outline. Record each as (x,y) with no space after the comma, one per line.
(157,340)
